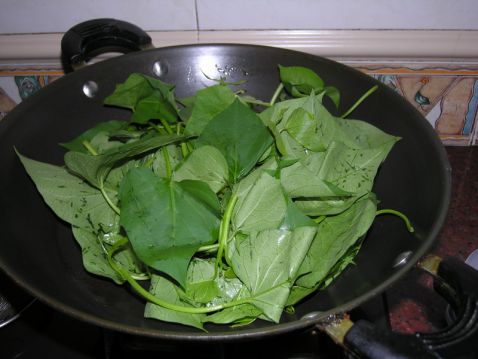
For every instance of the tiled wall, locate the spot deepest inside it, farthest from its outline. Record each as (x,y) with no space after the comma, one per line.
(33,16)
(447,95)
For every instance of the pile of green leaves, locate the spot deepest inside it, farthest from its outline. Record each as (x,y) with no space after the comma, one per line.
(226,211)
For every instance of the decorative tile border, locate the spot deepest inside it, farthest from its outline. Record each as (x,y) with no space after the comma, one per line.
(446,94)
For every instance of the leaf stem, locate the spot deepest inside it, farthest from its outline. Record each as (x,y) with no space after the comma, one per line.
(89,147)
(167,162)
(254,101)
(109,201)
(211,247)
(276,94)
(398,214)
(155,300)
(166,126)
(224,230)
(359,101)
(319,219)
(183,145)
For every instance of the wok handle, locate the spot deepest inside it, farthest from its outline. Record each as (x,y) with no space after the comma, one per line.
(456,282)
(90,38)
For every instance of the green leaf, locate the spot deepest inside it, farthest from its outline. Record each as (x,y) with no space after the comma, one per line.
(208,103)
(95,260)
(300,80)
(227,132)
(154,107)
(349,169)
(335,235)
(313,128)
(94,257)
(175,158)
(102,142)
(95,169)
(162,288)
(204,286)
(262,206)
(299,181)
(201,285)
(297,293)
(238,313)
(147,97)
(205,164)
(70,197)
(267,262)
(294,218)
(202,193)
(166,221)
(362,135)
(334,94)
(103,127)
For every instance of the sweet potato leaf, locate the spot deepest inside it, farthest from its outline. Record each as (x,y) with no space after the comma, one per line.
(209,102)
(207,287)
(94,257)
(351,170)
(167,291)
(166,221)
(267,262)
(335,235)
(147,97)
(205,164)
(95,169)
(262,206)
(70,197)
(107,127)
(227,132)
(300,80)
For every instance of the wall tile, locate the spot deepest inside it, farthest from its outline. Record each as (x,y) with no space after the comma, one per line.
(32,16)
(338,14)
(447,96)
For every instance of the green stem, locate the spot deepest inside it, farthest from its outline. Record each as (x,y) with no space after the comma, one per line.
(89,147)
(157,128)
(209,248)
(184,147)
(359,101)
(155,300)
(168,128)
(167,162)
(224,230)
(276,94)
(398,214)
(117,246)
(255,102)
(319,219)
(109,201)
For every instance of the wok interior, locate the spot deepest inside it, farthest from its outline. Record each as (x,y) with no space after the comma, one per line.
(39,252)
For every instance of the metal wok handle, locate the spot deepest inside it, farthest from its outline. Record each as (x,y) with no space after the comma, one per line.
(457,283)
(91,38)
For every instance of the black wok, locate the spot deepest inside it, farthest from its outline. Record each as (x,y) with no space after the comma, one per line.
(38,251)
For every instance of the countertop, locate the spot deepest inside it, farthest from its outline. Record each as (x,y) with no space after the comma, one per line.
(414,305)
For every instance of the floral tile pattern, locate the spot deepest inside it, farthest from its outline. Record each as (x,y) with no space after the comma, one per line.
(447,96)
